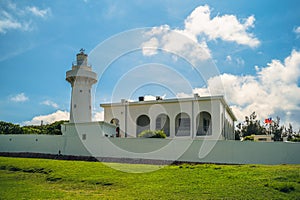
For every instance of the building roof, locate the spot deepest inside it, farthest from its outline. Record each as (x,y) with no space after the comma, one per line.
(174,100)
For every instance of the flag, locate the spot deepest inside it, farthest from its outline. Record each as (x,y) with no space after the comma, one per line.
(268,120)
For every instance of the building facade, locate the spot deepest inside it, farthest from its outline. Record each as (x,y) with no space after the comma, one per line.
(197,117)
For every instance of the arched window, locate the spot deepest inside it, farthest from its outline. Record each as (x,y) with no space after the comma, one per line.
(142,123)
(163,123)
(203,123)
(182,125)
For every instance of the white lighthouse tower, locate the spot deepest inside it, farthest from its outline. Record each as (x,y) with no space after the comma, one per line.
(81,78)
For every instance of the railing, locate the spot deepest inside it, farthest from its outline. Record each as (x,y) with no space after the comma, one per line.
(81,63)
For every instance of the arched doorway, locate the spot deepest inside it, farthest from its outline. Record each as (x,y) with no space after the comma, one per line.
(203,123)
(163,123)
(142,123)
(182,124)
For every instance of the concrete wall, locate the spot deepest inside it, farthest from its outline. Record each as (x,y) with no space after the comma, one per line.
(50,144)
(95,144)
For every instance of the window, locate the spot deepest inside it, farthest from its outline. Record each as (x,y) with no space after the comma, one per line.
(83,136)
(163,123)
(142,123)
(206,123)
(262,139)
(182,125)
(203,124)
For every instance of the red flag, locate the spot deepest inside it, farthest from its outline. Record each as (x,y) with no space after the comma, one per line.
(268,120)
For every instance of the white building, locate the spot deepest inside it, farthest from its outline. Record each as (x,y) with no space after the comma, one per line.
(184,120)
(197,117)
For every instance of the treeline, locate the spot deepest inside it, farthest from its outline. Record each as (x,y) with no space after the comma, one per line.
(252,126)
(47,129)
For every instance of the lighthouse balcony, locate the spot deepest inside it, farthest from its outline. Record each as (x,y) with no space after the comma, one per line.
(80,72)
(81,64)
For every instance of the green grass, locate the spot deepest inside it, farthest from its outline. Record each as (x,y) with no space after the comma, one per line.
(24,178)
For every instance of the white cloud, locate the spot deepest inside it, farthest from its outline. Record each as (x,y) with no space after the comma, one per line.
(183,95)
(177,42)
(191,42)
(240,62)
(39,12)
(152,98)
(98,116)
(150,47)
(228,58)
(274,90)
(297,31)
(7,24)
(50,103)
(226,27)
(149,98)
(48,119)
(57,116)
(19,98)
(13,17)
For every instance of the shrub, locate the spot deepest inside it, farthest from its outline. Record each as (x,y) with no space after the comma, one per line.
(152,134)
(249,138)
(294,138)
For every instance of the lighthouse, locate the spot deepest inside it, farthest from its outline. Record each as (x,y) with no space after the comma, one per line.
(81,78)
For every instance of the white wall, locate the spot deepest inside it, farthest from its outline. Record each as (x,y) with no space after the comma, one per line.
(50,144)
(95,144)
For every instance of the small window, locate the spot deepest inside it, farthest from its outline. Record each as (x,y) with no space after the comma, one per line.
(36,140)
(83,136)
(262,139)
(75,106)
(80,90)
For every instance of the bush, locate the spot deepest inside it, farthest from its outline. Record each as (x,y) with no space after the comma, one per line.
(152,134)
(249,138)
(295,139)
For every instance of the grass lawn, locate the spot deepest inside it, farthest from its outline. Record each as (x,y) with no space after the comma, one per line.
(27,178)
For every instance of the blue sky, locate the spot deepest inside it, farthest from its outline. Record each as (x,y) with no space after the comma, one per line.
(254,44)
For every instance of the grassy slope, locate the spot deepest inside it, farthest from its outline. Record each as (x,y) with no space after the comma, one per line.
(52,179)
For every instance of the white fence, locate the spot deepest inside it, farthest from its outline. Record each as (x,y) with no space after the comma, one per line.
(95,144)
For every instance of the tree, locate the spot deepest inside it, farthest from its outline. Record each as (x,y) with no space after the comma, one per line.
(10,128)
(292,136)
(237,135)
(251,126)
(296,137)
(289,132)
(31,130)
(276,129)
(54,128)
(48,129)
